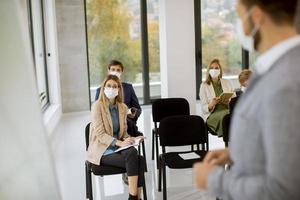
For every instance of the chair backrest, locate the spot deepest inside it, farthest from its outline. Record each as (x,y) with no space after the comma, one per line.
(162,108)
(182,130)
(87,135)
(226,125)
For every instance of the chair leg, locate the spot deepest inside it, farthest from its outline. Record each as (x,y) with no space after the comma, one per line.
(139,149)
(153,142)
(144,154)
(144,189)
(226,144)
(164,182)
(88,183)
(159,175)
(157,151)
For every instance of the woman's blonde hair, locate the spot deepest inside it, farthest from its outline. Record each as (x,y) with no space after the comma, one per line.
(120,96)
(208,79)
(244,75)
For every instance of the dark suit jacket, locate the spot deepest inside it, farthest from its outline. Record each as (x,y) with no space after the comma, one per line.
(130,98)
(234,100)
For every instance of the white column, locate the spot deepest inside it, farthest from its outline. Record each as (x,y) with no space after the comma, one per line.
(177,50)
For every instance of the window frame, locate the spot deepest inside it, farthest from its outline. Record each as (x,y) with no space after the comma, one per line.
(198,47)
(30,24)
(144,53)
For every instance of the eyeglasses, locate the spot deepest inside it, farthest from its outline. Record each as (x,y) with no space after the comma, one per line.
(111,86)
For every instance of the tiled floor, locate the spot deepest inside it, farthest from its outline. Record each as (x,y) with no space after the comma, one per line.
(68,147)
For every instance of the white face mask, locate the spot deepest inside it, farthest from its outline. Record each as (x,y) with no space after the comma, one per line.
(214,73)
(247,41)
(118,74)
(111,93)
(243,88)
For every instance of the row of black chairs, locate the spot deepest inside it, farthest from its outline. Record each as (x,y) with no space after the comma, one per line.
(173,126)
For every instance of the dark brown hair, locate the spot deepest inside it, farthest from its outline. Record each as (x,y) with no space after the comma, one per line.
(115,62)
(282,12)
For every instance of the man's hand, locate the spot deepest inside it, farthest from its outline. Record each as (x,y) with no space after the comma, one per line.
(132,112)
(218,157)
(201,173)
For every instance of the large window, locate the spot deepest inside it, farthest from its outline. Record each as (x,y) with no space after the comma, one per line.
(215,30)
(153,38)
(114,31)
(36,21)
(219,40)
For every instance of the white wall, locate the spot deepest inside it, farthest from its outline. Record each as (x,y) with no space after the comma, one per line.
(26,169)
(177,50)
(72,55)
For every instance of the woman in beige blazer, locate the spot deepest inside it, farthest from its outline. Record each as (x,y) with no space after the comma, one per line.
(213,109)
(108,133)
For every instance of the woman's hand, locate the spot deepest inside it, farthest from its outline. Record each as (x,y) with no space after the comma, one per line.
(140,138)
(128,141)
(213,103)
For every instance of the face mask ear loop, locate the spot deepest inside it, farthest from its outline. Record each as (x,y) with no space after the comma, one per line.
(256,27)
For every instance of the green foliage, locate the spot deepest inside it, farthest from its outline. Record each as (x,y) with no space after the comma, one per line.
(109,38)
(216,44)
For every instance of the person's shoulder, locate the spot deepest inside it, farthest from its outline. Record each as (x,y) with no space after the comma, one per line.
(204,84)
(127,85)
(97,105)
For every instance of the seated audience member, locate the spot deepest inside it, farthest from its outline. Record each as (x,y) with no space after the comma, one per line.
(213,109)
(109,132)
(130,99)
(244,77)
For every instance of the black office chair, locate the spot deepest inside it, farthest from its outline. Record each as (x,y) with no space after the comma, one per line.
(100,170)
(162,108)
(226,126)
(180,130)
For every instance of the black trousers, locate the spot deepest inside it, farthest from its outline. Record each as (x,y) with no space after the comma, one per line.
(128,159)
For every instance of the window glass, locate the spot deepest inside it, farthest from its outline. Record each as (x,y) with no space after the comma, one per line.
(219,39)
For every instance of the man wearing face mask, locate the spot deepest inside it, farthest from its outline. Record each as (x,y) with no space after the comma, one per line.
(265,140)
(130,99)
(211,89)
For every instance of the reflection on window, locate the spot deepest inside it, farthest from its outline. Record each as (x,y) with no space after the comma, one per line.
(114,32)
(219,38)
(153,38)
(38,42)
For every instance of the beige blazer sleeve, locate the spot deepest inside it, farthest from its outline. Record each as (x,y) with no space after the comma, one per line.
(98,125)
